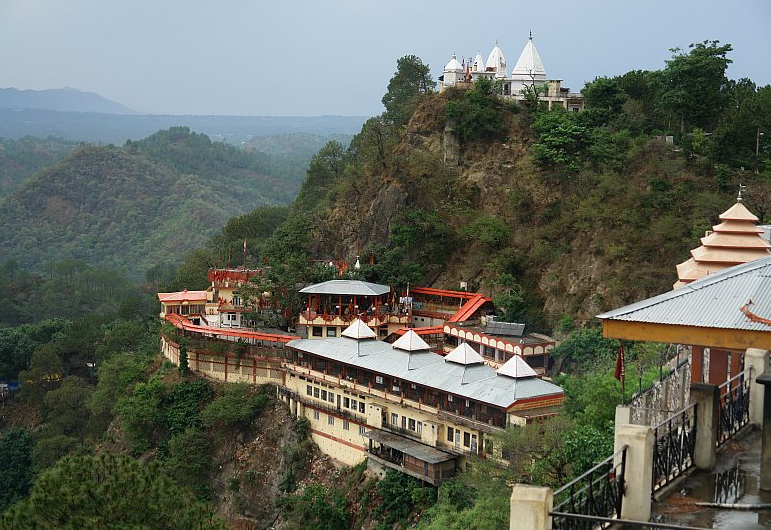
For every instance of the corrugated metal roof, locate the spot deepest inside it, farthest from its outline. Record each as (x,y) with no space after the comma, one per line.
(713,302)
(478,382)
(347,287)
(411,447)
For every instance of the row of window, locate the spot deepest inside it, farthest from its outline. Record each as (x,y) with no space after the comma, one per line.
(329,396)
(331,421)
(407,423)
(454,437)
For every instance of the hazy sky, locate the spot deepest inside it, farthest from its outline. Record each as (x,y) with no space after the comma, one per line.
(257,57)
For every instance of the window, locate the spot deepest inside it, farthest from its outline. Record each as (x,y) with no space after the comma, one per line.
(331,332)
(420,427)
(236,301)
(450,436)
(379,379)
(395,419)
(413,386)
(353,404)
(330,419)
(346,425)
(466,439)
(331,397)
(323,395)
(449,398)
(318,331)
(309,390)
(346,402)
(315,414)
(404,422)
(411,424)
(468,403)
(362,429)
(361,407)
(316,392)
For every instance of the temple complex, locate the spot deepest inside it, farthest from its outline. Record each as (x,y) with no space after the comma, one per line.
(528,73)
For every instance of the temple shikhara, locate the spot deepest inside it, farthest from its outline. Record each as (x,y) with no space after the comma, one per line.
(416,380)
(528,74)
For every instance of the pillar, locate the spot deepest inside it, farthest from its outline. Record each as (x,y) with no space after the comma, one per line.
(697,364)
(638,472)
(757,361)
(764,379)
(707,401)
(623,417)
(718,366)
(530,507)
(736,367)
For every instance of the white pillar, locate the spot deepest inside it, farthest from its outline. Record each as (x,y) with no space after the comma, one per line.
(759,361)
(623,417)
(530,507)
(707,401)
(638,471)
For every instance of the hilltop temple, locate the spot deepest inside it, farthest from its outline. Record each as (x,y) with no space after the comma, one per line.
(528,72)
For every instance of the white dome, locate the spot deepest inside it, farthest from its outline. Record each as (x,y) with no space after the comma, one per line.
(529,64)
(453,65)
(496,62)
(479,64)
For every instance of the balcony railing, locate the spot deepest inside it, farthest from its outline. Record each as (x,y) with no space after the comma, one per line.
(734,406)
(673,446)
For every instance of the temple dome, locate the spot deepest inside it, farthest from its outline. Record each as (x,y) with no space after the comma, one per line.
(410,342)
(496,62)
(529,64)
(479,64)
(453,65)
(734,241)
(517,368)
(359,330)
(464,354)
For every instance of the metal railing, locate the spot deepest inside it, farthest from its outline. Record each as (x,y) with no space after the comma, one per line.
(598,493)
(734,406)
(673,446)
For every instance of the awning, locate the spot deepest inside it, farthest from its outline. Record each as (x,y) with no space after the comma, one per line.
(410,447)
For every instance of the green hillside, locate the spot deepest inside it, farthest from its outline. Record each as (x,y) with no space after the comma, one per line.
(135,206)
(28,155)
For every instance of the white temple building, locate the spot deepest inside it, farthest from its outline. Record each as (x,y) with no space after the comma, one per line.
(528,72)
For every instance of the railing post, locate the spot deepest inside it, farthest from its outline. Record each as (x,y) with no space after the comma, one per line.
(623,417)
(707,400)
(530,507)
(757,361)
(638,472)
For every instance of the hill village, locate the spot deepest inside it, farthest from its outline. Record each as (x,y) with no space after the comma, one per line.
(418,380)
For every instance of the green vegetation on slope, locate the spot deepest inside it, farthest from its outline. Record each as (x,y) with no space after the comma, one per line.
(28,155)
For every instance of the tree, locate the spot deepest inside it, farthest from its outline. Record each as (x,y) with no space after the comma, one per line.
(184,367)
(235,408)
(693,86)
(108,491)
(411,80)
(479,114)
(15,466)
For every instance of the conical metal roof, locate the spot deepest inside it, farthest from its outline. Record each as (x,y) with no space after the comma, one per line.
(464,354)
(411,341)
(359,330)
(517,368)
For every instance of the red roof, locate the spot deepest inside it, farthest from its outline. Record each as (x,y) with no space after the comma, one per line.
(442,292)
(433,330)
(183,296)
(469,308)
(183,323)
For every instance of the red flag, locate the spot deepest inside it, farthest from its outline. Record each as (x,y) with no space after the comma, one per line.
(620,364)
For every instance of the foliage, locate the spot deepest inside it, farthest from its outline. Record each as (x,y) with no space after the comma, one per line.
(487,230)
(189,458)
(584,348)
(15,466)
(235,408)
(17,345)
(411,79)
(319,509)
(400,495)
(108,491)
(28,155)
(479,113)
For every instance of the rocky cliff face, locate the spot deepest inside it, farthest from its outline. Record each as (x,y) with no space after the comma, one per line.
(577,243)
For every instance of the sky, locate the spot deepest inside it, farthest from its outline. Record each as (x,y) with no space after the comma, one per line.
(311,57)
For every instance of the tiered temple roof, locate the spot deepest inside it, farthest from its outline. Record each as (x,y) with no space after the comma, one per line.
(736,240)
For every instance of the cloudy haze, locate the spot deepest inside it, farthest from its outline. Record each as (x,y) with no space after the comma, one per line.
(309,58)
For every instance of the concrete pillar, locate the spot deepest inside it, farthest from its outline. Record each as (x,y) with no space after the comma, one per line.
(757,361)
(638,472)
(736,367)
(764,379)
(697,364)
(623,417)
(707,401)
(530,507)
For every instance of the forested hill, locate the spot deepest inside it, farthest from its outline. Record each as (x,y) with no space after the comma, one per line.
(20,158)
(132,207)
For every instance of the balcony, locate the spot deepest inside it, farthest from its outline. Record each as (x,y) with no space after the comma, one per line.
(311,318)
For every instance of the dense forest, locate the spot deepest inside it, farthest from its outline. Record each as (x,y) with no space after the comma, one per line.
(139,205)
(23,157)
(558,215)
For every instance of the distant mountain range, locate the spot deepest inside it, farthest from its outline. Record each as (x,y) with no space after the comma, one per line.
(84,116)
(62,99)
